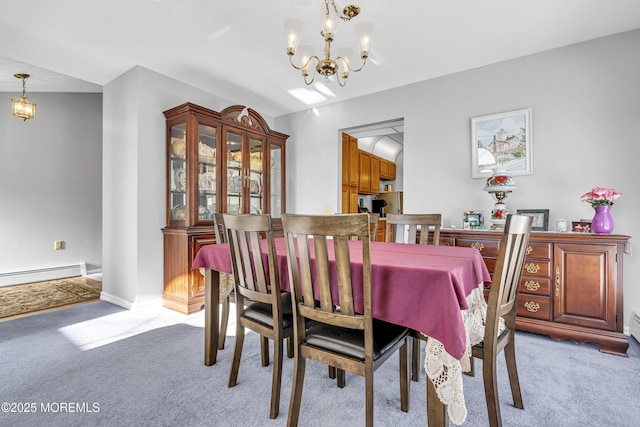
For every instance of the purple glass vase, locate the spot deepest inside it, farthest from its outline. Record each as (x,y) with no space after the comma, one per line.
(602,222)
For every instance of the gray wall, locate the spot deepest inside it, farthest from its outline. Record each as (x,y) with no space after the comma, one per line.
(50,179)
(585,101)
(134,181)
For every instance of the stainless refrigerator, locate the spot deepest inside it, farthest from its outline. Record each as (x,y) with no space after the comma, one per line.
(394,201)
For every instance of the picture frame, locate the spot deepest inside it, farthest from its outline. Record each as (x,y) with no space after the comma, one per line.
(502,140)
(473,220)
(582,226)
(540,218)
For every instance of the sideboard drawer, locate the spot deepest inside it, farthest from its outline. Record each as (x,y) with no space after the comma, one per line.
(541,250)
(536,268)
(486,247)
(535,285)
(534,306)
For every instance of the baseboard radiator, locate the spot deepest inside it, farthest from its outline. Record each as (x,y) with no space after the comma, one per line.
(635,325)
(39,275)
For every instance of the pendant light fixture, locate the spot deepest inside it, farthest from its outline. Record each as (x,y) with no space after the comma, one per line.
(22,107)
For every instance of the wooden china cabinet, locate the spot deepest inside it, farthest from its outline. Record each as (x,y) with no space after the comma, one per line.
(228,161)
(571,286)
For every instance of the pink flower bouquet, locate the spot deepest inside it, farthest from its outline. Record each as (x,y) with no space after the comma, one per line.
(601,196)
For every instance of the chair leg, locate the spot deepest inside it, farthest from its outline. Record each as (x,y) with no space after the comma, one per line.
(237,354)
(332,372)
(415,358)
(404,377)
(296,392)
(510,356)
(290,347)
(472,367)
(224,322)
(264,350)
(277,378)
(337,373)
(341,378)
(491,389)
(368,386)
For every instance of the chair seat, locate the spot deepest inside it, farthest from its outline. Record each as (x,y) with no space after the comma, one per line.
(263,313)
(351,341)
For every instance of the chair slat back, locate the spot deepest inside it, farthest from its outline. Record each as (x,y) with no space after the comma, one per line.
(255,279)
(374,218)
(319,253)
(219,229)
(429,226)
(507,273)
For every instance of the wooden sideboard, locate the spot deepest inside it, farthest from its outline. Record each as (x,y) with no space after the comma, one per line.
(571,287)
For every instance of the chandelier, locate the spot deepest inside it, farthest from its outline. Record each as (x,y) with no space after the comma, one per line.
(325,66)
(22,107)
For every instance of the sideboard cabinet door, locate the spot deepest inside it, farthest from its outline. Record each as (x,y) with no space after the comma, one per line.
(585,286)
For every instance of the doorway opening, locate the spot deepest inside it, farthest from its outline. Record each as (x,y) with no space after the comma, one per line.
(384,140)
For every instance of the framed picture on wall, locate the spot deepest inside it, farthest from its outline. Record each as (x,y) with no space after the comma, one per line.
(502,140)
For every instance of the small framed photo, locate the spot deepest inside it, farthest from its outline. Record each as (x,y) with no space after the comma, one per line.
(540,218)
(473,220)
(502,140)
(582,226)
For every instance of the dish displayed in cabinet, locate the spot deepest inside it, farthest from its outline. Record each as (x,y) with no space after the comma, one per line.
(178,147)
(255,187)
(234,184)
(204,212)
(179,212)
(207,181)
(206,153)
(179,180)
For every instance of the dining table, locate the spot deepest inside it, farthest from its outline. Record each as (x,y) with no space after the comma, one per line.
(435,290)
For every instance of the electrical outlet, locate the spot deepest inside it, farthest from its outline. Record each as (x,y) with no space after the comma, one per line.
(58,245)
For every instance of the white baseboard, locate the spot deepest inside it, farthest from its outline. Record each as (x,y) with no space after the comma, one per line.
(152,303)
(42,274)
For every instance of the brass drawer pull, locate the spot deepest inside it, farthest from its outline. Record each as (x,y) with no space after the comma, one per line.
(557,280)
(532,285)
(529,250)
(479,246)
(532,306)
(532,268)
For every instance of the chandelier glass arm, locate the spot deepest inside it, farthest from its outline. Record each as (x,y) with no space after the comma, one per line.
(304,68)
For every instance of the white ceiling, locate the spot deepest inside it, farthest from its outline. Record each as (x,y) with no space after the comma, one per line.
(236,49)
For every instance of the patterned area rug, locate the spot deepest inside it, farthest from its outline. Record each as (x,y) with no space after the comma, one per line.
(36,297)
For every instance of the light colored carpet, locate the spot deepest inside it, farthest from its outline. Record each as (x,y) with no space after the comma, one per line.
(20,300)
(118,367)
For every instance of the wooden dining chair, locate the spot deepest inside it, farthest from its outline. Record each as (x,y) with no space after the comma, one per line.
(227,294)
(502,304)
(260,305)
(406,225)
(319,254)
(401,225)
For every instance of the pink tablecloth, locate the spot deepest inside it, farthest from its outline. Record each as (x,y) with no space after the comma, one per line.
(423,287)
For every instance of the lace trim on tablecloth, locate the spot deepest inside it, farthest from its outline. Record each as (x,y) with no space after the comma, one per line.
(444,370)
(226,284)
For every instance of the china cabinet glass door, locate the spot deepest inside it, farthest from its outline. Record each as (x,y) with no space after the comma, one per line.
(234,172)
(255,181)
(276,180)
(206,172)
(178,173)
